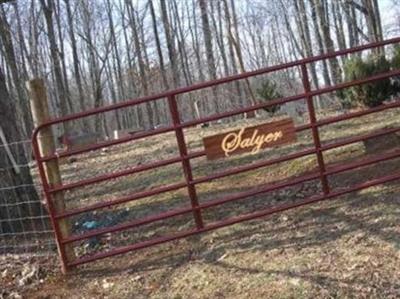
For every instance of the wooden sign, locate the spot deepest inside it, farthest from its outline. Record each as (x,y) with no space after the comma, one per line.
(251,139)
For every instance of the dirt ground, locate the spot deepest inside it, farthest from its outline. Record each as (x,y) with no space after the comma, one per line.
(348,247)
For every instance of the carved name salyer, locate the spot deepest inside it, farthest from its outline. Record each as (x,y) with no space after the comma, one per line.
(234,141)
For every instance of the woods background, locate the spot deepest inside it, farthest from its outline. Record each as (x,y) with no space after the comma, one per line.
(98,52)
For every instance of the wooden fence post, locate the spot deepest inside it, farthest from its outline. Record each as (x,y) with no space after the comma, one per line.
(41,114)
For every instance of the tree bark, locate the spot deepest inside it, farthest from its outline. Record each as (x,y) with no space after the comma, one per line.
(328,42)
(139,54)
(170,43)
(18,202)
(306,37)
(75,60)
(55,60)
(158,45)
(237,48)
(22,108)
(212,73)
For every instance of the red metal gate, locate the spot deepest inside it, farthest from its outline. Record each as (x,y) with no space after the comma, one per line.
(185,156)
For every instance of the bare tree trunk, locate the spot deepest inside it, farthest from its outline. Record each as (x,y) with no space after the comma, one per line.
(22,45)
(57,13)
(48,14)
(18,197)
(183,57)
(139,54)
(158,45)
(181,42)
(75,59)
(239,56)
(212,74)
(199,109)
(232,59)
(220,37)
(329,46)
(306,37)
(132,86)
(317,33)
(117,65)
(9,52)
(170,43)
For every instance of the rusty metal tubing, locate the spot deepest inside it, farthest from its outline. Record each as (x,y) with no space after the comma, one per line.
(104,144)
(140,195)
(314,128)
(187,169)
(124,199)
(351,115)
(233,220)
(363,162)
(253,166)
(355,139)
(126,172)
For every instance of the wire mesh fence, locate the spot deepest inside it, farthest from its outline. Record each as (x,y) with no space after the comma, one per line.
(24,221)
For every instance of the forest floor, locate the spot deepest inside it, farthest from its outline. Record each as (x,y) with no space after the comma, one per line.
(348,247)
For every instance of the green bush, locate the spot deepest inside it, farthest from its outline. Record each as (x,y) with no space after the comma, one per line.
(396,66)
(371,94)
(268,92)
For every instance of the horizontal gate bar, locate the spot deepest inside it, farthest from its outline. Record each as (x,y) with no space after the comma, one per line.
(253,166)
(234,220)
(107,143)
(126,172)
(336,119)
(121,200)
(241,195)
(179,186)
(355,139)
(364,162)
(351,115)
(329,171)
(127,225)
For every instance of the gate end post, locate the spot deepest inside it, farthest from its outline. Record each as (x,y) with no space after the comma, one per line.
(43,145)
